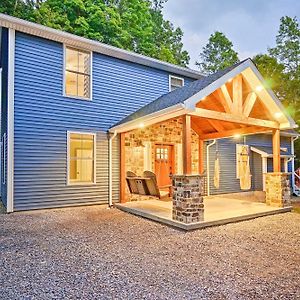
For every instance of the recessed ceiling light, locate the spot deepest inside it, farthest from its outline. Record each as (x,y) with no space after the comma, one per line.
(141,125)
(259,88)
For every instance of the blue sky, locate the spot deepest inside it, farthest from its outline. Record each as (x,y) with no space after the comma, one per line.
(251,25)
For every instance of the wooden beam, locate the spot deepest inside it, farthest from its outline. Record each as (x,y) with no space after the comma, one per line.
(249,103)
(216,125)
(186,144)
(123,198)
(237,94)
(225,98)
(216,115)
(201,157)
(196,128)
(276,151)
(233,132)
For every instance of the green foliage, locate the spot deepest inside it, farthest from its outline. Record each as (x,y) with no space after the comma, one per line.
(218,54)
(287,49)
(273,73)
(282,67)
(135,25)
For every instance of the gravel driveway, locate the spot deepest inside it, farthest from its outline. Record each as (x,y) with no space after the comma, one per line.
(95,253)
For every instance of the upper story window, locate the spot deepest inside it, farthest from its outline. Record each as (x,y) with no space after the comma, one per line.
(77,73)
(175,83)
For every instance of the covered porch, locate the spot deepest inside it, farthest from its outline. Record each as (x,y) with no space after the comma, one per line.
(170,135)
(218,211)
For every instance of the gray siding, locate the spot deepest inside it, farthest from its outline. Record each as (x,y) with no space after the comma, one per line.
(227,156)
(43,117)
(4,66)
(257,173)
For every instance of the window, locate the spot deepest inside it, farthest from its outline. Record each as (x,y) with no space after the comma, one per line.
(77,73)
(81,158)
(175,83)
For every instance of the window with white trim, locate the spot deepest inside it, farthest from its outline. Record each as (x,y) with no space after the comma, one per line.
(81,158)
(175,83)
(77,73)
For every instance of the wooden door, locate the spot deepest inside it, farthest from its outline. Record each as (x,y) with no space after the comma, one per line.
(164,164)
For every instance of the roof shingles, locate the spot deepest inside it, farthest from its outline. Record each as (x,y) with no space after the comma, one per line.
(177,96)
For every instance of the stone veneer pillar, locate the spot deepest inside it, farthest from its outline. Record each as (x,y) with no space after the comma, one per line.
(188,193)
(278,189)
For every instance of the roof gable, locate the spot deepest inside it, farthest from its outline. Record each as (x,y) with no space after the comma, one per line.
(188,97)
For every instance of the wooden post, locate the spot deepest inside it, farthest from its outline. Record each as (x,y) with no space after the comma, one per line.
(186,144)
(122,169)
(200,158)
(276,151)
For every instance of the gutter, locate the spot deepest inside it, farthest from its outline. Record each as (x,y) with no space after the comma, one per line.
(110,141)
(207,165)
(78,41)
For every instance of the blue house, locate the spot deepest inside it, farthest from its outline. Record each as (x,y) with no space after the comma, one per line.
(76,115)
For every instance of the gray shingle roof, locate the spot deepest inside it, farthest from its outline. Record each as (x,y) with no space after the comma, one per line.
(177,96)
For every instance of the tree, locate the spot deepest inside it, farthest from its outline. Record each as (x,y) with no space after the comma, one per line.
(273,73)
(218,54)
(287,49)
(135,25)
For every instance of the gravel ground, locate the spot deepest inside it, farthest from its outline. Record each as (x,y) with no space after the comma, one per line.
(95,253)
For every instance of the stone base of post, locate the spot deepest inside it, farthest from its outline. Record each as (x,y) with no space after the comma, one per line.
(188,193)
(278,191)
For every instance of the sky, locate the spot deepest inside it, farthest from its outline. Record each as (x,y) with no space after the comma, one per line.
(251,25)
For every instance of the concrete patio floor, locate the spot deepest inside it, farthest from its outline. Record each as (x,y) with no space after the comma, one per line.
(218,211)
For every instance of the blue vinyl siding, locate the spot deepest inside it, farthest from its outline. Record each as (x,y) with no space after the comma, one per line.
(227,156)
(43,117)
(4,66)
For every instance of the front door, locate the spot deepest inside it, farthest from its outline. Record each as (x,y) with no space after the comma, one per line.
(164,164)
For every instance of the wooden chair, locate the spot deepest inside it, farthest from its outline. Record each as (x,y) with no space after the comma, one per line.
(153,188)
(131,182)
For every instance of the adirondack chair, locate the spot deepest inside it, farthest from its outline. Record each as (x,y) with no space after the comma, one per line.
(131,182)
(153,188)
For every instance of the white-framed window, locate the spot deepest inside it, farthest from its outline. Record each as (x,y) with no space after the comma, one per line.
(175,83)
(81,156)
(77,73)
(3,158)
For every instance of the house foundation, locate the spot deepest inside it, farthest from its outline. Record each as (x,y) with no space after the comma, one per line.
(278,191)
(188,191)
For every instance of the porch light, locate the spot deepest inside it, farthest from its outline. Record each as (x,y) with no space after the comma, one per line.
(259,88)
(141,125)
(237,136)
(278,115)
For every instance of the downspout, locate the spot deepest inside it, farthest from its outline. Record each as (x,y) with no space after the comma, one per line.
(207,165)
(110,141)
(293,139)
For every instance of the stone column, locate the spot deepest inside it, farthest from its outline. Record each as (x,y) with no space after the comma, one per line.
(188,193)
(278,191)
